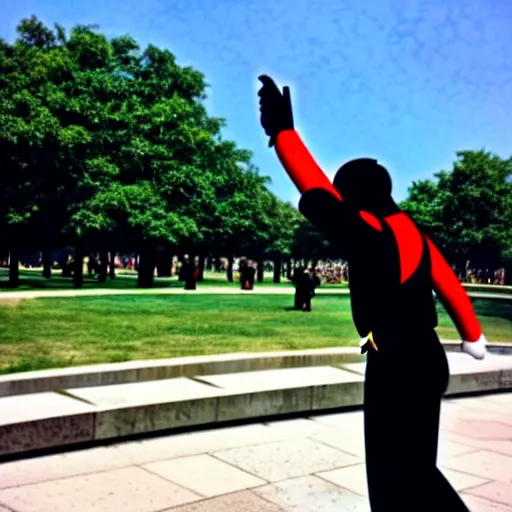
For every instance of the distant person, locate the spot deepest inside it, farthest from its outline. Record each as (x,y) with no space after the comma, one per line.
(243,271)
(251,276)
(308,286)
(189,274)
(316,278)
(298,282)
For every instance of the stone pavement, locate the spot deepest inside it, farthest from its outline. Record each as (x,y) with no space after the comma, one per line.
(313,464)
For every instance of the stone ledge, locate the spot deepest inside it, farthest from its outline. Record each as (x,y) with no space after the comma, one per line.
(141,371)
(119,411)
(493,348)
(160,369)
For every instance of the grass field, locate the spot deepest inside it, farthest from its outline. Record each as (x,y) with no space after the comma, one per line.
(46,333)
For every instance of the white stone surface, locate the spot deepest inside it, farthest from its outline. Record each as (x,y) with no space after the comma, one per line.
(204,475)
(142,393)
(17,409)
(281,379)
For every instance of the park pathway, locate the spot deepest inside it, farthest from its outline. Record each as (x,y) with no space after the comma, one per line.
(201,290)
(302,465)
(206,290)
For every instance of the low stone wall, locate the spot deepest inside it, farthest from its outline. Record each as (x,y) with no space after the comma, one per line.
(73,416)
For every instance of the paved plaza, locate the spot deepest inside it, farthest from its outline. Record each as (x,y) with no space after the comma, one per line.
(314,464)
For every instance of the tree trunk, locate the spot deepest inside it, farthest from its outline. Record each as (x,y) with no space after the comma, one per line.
(289,272)
(146,266)
(112,264)
(229,270)
(277,270)
(78,267)
(200,267)
(261,271)
(14,269)
(164,263)
(508,274)
(103,268)
(47,262)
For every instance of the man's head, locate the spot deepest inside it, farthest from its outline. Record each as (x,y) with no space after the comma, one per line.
(364,184)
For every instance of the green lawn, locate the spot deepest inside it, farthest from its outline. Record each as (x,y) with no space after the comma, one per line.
(45,333)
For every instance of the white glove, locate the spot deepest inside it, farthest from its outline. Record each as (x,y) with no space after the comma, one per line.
(477,349)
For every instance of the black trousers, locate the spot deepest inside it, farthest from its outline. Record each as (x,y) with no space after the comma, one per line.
(190,284)
(302,300)
(307,302)
(402,402)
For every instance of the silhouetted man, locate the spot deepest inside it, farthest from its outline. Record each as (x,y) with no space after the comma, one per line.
(316,279)
(189,274)
(394,313)
(250,275)
(242,269)
(298,282)
(309,290)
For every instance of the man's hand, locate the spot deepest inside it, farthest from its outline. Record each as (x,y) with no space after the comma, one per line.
(275,108)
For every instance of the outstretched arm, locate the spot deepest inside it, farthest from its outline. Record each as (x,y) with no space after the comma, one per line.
(277,121)
(456,301)
(300,165)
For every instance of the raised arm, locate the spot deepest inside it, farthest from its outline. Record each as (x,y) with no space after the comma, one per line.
(300,165)
(321,203)
(456,301)
(277,121)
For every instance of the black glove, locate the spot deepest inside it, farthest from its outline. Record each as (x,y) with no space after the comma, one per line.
(275,108)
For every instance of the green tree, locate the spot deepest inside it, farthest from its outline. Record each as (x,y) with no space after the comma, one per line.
(468,211)
(477,211)
(28,139)
(286,221)
(116,139)
(109,146)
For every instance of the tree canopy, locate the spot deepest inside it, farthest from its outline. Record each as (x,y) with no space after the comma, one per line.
(105,144)
(468,210)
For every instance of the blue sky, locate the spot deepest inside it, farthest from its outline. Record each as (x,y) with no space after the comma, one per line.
(408,82)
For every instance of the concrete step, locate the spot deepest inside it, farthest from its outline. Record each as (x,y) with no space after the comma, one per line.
(92,414)
(142,371)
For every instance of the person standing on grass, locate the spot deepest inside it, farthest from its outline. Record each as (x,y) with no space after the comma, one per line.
(244,274)
(309,290)
(316,279)
(298,282)
(189,273)
(394,313)
(251,275)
